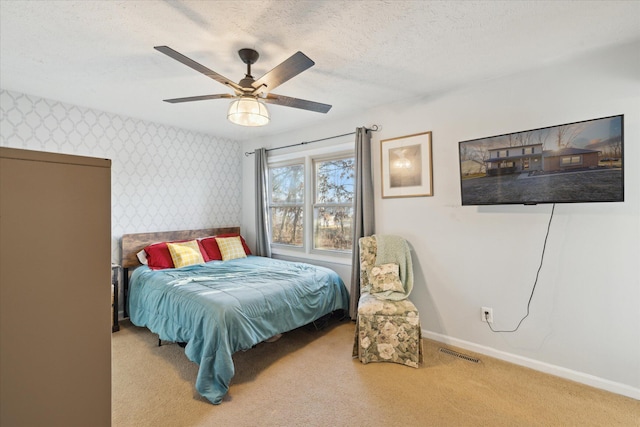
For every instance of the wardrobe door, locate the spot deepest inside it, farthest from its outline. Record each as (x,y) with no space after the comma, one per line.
(55,296)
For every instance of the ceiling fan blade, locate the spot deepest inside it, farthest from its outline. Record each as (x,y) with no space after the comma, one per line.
(198,67)
(296,103)
(198,98)
(291,67)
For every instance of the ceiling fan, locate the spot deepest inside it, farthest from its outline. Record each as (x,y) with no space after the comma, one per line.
(249,96)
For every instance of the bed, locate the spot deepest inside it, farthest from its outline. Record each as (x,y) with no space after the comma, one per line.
(220,307)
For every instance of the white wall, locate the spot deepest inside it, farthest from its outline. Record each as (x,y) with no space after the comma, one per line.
(162,178)
(585,314)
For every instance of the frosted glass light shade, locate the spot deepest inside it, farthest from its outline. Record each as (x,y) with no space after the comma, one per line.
(248,111)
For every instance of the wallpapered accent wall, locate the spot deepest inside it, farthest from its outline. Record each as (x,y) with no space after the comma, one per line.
(162,177)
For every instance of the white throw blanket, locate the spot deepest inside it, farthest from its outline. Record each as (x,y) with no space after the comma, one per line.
(395,249)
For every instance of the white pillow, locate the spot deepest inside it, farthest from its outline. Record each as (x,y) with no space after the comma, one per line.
(142,257)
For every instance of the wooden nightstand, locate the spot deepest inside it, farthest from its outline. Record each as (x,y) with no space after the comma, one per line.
(115,286)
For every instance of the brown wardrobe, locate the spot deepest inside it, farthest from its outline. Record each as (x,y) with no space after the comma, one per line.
(55,289)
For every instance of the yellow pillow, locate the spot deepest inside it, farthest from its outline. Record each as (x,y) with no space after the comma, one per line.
(230,248)
(185,253)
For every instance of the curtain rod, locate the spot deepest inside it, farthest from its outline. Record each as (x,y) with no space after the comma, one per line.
(372,128)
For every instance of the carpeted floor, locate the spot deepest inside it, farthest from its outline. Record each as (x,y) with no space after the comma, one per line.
(308,378)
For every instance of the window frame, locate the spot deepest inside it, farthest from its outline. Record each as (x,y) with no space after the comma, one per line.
(570,160)
(308,157)
(314,161)
(292,162)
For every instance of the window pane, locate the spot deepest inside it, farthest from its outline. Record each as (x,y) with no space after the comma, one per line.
(286,225)
(334,181)
(332,228)
(287,184)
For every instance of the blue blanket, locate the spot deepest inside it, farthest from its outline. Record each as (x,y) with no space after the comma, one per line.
(222,307)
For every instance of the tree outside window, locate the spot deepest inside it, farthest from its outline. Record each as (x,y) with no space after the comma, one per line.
(333,204)
(287,204)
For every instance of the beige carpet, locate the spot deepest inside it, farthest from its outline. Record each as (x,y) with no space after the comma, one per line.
(308,378)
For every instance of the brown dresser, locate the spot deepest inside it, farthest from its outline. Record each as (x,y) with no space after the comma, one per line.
(55,256)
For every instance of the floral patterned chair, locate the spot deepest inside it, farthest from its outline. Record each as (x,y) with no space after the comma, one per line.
(386,330)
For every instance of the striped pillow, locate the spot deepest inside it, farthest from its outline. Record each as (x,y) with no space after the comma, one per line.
(231,248)
(185,253)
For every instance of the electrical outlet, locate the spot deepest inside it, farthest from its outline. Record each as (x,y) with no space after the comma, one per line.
(487,314)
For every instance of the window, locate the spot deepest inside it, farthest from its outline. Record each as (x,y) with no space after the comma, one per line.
(571,160)
(333,204)
(286,205)
(311,202)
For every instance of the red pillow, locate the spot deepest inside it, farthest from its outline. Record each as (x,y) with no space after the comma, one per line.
(213,251)
(211,248)
(203,252)
(159,257)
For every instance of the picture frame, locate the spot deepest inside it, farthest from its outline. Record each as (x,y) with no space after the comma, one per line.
(407,166)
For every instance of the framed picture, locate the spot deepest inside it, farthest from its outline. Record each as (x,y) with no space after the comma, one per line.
(407,166)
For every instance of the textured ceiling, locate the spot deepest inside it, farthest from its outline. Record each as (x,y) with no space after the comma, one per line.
(99,54)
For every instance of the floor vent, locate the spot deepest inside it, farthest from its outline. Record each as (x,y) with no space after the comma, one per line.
(459,355)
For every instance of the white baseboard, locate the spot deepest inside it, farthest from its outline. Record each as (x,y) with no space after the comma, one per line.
(580,377)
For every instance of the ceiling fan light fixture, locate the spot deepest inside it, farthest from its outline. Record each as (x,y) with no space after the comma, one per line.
(248,111)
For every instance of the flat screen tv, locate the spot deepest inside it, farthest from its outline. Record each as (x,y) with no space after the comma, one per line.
(572,163)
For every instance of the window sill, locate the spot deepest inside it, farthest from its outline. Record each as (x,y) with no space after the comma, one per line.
(313,256)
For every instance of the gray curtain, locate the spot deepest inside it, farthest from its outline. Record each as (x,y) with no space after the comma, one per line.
(363,216)
(263,248)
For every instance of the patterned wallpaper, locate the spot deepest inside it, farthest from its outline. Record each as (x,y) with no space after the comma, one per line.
(162,177)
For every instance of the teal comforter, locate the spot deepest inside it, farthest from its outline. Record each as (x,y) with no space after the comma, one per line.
(222,307)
